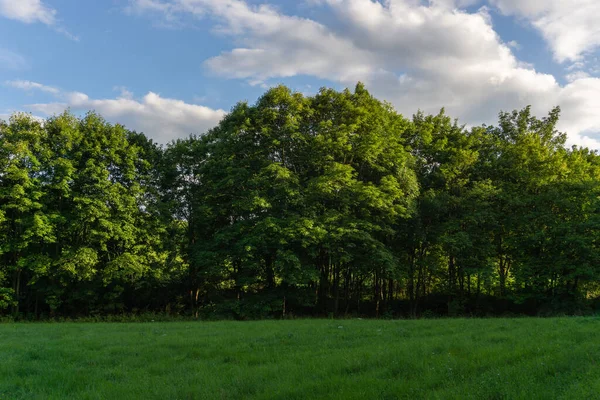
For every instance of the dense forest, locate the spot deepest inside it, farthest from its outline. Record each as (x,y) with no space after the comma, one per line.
(327,205)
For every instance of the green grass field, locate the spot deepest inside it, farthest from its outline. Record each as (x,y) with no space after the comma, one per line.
(303,359)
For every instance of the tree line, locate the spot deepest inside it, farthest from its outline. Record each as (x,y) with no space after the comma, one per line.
(332,204)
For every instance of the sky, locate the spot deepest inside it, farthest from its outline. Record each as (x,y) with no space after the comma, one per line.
(174,67)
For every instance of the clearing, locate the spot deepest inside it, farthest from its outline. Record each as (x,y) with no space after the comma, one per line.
(523,358)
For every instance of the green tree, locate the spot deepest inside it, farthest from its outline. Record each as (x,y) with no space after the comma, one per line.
(24,225)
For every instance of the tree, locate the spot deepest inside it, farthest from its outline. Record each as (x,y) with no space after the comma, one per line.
(312,205)
(24,225)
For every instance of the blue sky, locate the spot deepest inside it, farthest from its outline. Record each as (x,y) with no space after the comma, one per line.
(173,67)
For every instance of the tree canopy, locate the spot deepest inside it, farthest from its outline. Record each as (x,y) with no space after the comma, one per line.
(299,205)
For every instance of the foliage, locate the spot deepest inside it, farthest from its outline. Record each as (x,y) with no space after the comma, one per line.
(298,205)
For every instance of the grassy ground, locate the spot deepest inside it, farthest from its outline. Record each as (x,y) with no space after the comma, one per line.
(305,359)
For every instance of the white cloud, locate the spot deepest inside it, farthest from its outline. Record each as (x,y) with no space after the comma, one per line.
(580,101)
(514,44)
(577,75)
(124,92)
(169,11)
(31,11)
(12,61)
(28,85)
(412,54)
(162,119)
(28,11)
(576,65)
(275,45)
(569,26)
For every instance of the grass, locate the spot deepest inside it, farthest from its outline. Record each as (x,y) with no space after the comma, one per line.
(304,359)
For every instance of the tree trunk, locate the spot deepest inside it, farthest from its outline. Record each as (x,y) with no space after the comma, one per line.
(336,288)
(17,291)
(269,272)
(411,286)
(323,266)
(469,285)
(283,310)
(347,283)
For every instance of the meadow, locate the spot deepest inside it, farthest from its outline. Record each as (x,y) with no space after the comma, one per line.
(522,358)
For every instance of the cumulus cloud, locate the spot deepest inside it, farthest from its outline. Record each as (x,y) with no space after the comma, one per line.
(569,26)
(31,11)
(162,119)
(413,53)
(275,45)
